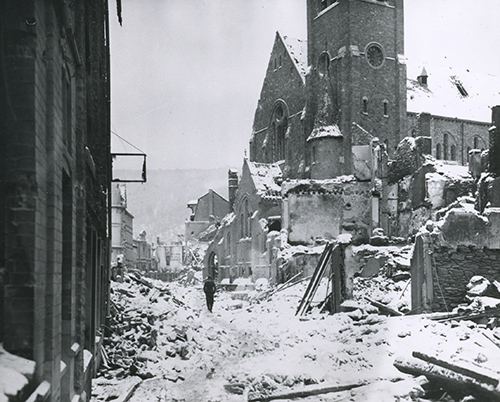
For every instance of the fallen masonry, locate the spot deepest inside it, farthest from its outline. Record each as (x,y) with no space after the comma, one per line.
(255,348)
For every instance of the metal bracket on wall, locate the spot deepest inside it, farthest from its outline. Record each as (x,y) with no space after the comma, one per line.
(143,178)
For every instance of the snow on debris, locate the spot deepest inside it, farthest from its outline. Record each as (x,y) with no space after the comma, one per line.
(15,373)
(254,347)
(325,132)
(326,185)
(266,178)
(297,49)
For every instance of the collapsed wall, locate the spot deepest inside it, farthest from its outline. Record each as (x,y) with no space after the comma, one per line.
(449,253)
(325,209)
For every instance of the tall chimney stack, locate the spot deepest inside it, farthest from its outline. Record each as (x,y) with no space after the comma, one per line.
(232,182)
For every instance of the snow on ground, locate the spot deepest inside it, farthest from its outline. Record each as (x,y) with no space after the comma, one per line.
(263,348)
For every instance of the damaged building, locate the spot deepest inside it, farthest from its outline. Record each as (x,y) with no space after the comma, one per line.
(348,144)
(55,180)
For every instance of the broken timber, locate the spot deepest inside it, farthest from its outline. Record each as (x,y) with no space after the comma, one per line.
(308,392)
(313,285)
(384,308)
(478,373)
(447,378)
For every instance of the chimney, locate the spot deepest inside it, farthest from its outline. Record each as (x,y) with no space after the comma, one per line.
(494,152)
(232,182)
(422,78)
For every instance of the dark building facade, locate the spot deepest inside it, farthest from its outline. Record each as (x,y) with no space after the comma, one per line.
(55,180)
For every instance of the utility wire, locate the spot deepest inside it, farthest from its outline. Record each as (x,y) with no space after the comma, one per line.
(129,143)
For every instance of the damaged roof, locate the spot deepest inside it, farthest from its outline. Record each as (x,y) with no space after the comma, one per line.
(267,178)
(454,93)
(449,92)
(297,49)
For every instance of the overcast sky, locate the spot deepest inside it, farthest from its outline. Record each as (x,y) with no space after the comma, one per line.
(187,74)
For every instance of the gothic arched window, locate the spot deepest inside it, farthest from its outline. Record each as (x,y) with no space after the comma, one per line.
(446,139)
(438,151)
(279,126)
(453,153)
(365,105)
(323,64)
(248,220)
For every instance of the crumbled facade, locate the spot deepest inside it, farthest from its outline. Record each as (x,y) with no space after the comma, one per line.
(462,244)
(55,180)
(364,151)
(207,210)
(143,250)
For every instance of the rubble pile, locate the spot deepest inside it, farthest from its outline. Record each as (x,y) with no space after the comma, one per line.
(140,310)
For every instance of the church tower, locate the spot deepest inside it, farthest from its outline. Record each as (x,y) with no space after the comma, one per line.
(357,81)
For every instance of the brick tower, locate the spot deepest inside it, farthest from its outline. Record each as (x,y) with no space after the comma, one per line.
(357,81)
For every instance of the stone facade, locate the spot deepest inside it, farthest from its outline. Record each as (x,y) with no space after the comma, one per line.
(452,139)
(347,73)
(145,260)
(207,210)
(122,228)
(245,241)
(448,255)
(54,187)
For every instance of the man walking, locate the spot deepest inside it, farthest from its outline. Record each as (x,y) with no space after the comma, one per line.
(209,289)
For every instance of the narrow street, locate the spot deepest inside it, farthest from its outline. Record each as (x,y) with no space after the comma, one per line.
(248,349)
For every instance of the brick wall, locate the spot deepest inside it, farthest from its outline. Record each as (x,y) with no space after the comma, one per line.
(283,83)
(43,182)
(454,267)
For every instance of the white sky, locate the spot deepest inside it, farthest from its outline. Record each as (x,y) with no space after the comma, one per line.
(187,74)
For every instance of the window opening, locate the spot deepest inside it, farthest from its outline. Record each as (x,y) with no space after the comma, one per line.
(438,151)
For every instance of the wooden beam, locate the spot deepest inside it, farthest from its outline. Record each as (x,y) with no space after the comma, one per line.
(477,373)
(306,392)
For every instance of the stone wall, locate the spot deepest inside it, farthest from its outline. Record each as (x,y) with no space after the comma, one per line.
(325,209)
(454,267)
(448,254)
(281,83)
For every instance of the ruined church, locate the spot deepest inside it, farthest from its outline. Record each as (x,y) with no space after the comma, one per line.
(336,111)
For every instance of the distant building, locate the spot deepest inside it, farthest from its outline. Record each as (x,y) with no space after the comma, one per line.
(248,237)
(55,176)
(169,259)
(205,211)
(122,223)
(145,260)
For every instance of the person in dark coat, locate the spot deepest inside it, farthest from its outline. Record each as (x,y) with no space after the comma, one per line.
(209,289)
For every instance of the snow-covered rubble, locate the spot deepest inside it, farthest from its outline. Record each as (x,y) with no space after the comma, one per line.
(261,348)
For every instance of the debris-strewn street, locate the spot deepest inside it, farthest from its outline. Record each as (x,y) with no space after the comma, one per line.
(166,346)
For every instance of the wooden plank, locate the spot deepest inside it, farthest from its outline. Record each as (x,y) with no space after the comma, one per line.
(315,280)
(310,284)
(320,276)
(306,392)
(385,308)
(478,373)
(447,379)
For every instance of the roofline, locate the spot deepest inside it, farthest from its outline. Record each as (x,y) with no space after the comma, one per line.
(278,34)
(452,118)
